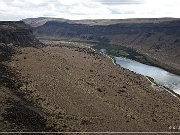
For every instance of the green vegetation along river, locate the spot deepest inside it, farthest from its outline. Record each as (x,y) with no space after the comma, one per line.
(117,50)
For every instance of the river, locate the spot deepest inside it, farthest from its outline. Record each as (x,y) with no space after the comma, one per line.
(159,75)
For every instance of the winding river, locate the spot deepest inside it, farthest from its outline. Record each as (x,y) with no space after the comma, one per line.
(159,75)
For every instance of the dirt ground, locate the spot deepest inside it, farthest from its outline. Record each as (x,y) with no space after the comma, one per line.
(79,89)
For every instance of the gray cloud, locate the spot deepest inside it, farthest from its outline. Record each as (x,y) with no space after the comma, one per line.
(120,1)
(118,12)
(88,9)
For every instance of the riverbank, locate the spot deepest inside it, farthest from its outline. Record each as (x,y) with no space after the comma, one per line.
(149,78)
(118,50)
(130,53)
(93,47)
(154,84)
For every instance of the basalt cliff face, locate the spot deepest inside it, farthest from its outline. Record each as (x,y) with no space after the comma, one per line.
(159,38)
(17,33)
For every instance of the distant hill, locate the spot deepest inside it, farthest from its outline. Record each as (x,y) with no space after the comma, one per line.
(158,37)
(35,22)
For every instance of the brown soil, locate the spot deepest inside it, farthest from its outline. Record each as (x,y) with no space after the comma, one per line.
(79,89)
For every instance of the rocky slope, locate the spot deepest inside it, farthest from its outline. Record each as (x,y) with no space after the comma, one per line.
(159,38)
(67,86)
(82,90)
(16,113)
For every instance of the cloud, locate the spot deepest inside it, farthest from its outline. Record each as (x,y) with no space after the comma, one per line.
(120,1)
(88,9)
(71,9)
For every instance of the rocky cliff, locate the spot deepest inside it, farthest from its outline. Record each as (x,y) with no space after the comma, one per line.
(17,33)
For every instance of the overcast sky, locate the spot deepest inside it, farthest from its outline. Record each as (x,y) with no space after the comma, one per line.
(88,9)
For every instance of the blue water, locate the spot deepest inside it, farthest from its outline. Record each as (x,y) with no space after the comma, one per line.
(159,75)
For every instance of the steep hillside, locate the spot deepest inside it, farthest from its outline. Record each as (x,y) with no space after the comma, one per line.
(80,89)
(16,113)
(159,38)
